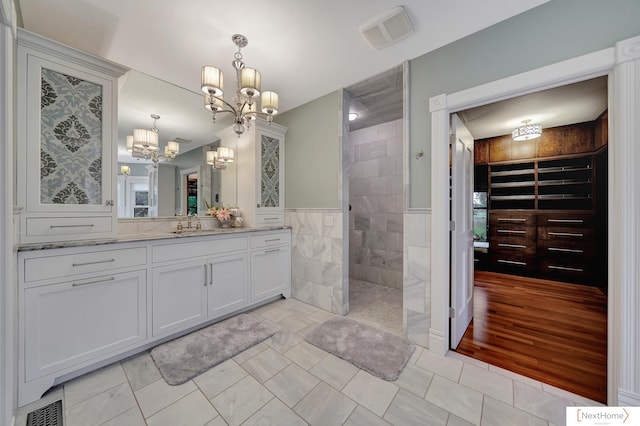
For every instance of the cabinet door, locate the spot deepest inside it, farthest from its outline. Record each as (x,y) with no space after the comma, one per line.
(71,322)
(228,284)
(270,272)
(270,197)
(68,138)
(179,299)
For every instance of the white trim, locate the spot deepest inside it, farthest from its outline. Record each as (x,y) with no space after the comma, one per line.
(624,233)
(628,399)
(625,204)
(406,129)
(8,376)
(416,210)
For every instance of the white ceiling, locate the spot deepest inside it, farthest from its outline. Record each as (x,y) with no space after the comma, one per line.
(304,49)
(574,103)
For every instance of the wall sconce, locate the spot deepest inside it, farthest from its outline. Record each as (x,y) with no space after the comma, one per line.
(125,170)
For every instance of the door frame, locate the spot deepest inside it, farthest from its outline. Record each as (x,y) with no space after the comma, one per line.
(622,65)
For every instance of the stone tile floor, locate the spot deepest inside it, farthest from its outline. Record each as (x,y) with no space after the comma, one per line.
(286,381)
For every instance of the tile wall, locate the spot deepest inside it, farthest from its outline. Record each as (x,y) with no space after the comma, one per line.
(316,257)
(377,201)
(416,300)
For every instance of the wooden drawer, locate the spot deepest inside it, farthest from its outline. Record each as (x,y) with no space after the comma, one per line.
(573,220)
(512,262)
(499,218)
(566,248)
(40,268)
(566,234)
(515,246)
(270,240)
(512,231)
(188,250)
(564,268)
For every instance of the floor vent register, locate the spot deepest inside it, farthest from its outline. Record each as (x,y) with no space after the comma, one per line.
(50,415)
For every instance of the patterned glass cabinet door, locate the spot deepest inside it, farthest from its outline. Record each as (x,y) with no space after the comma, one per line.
(68,139)
(269,172)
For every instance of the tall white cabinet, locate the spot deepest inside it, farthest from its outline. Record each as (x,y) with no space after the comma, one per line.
(260,165)
(66,151)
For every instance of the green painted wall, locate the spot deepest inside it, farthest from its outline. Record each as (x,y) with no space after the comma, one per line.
(312,153)
(555,31)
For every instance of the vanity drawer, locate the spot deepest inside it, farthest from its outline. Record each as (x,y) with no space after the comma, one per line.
(269,240)
(270,219)
(188,250)
(71,227)
(40,268)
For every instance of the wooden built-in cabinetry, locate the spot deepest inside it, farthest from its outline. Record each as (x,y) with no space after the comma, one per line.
(546,204)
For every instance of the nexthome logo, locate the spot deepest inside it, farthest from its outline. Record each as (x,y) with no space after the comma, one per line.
(602,416)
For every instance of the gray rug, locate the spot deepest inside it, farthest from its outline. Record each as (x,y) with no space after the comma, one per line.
(380,353)
(182,359)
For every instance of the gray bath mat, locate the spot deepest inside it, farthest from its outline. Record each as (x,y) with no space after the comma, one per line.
(184,358)
(380,353)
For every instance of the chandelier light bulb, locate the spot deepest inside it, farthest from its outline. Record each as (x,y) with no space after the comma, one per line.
(250,82)
(212,80)
(269,103)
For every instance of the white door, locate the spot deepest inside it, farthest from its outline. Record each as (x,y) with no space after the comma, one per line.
(462,234)
(228,284)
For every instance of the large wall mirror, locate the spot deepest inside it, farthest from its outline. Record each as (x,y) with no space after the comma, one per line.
(170,186)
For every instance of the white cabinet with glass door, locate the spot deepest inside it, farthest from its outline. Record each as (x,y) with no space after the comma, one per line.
(260,165)
(67,112)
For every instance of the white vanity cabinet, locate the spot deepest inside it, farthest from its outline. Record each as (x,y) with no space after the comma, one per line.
(77,307)
(270,265)
(196,287)
(67,138)
(260,184)
(84,306)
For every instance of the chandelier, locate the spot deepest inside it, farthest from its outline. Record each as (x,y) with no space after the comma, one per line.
(526,131)
(144,144)
(243,106)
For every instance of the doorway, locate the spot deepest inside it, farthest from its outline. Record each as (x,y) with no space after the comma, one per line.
(190,198)
(374,149)
(543,204)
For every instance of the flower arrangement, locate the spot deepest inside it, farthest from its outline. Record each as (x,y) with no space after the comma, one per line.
(223,214)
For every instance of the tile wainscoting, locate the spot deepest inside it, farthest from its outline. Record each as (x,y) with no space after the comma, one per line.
(318,276)
(416,295)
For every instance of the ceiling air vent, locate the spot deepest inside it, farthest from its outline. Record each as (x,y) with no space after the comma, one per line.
(387,29)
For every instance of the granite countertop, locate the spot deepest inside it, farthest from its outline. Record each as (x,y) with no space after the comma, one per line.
(141,237)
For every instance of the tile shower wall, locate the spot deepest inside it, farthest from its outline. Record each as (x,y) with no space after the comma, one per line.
(316,257)
(416,294)
(376,198)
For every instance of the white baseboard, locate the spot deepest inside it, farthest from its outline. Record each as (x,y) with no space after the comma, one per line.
(437,343)
(628,399)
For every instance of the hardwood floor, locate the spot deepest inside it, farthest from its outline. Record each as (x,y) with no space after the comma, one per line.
(550,331)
